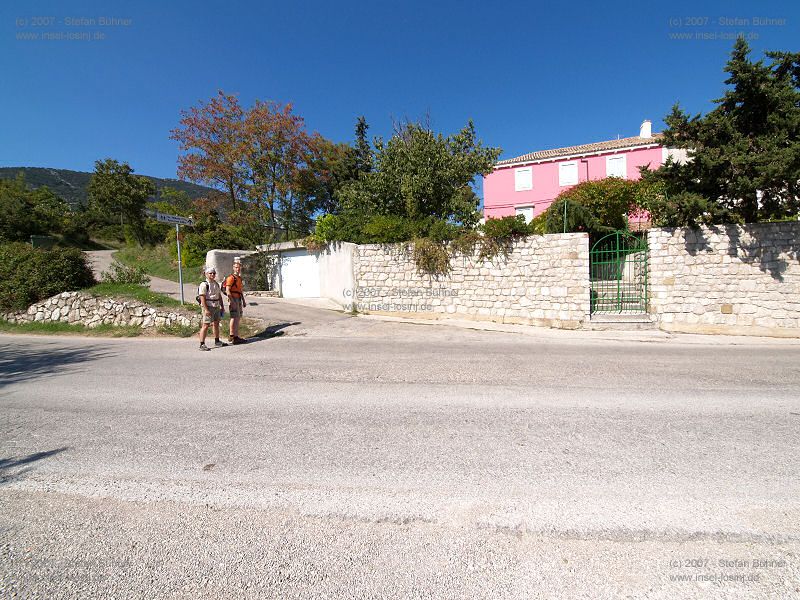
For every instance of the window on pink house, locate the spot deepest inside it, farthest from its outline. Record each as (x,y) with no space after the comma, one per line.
(523,179)
(568,173)
(616,166)
(525,211)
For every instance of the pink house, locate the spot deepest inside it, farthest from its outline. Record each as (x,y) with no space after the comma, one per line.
(528,184)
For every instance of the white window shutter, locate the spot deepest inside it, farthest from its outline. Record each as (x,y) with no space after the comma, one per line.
(526,211)
(523,179)
(568,173)
(616,166)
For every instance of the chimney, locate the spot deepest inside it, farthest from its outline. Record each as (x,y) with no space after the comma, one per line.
(646,129)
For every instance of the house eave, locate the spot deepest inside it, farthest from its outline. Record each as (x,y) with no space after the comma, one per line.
(562,157)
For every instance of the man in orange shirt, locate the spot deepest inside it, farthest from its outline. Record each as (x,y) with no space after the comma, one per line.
(234,287)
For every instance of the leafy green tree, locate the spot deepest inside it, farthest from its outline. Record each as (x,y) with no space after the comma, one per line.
(329,167)
(25,212)
(179,201)
(419,174)
(745,154)
(115,191)
(362,150)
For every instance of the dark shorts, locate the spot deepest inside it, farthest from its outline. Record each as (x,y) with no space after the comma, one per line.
(215,314)
(235,307)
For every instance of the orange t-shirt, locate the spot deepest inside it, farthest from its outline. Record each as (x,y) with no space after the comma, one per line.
(233,284)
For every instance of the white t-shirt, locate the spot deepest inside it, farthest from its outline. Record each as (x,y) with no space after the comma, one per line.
(212,292)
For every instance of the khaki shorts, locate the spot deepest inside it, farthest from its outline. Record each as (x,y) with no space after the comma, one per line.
(235,307)
(214,316)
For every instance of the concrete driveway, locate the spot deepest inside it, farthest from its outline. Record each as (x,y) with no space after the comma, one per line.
(356,458)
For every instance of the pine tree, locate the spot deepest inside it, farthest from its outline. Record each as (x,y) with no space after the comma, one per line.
(745,154)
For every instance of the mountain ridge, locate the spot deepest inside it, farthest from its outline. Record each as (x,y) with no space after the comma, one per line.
(72,185)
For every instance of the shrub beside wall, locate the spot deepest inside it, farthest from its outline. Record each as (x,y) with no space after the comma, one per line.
(29,275)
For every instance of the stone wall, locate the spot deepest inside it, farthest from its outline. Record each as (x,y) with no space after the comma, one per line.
(727,279)
(82,309)
(543,281)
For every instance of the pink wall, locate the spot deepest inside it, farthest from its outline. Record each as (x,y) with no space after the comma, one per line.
(500,199)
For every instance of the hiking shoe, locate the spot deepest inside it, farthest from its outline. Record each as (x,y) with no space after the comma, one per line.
(231,339)
(204,347)
(238,340)
(218,344)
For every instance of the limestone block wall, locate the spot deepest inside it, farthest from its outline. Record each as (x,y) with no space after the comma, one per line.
(727,279)
(82,309)
(544,281)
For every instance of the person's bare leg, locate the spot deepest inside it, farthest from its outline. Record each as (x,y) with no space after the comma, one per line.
(235,327)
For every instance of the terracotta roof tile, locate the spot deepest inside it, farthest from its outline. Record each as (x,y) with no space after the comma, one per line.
(583,149)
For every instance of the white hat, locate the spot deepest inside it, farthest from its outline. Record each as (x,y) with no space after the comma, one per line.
(237,259)
(209,269)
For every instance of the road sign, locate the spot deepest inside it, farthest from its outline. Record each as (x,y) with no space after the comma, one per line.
(177,221)
(173,219)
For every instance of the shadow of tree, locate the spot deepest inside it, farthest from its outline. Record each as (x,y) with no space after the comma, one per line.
(768,246)
(9,464)
(21,362)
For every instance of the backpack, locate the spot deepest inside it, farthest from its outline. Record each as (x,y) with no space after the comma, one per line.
(224,288)
(200,293)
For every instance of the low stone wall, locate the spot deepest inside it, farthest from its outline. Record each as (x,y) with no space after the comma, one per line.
(543,281)
(80,308)
(731,279)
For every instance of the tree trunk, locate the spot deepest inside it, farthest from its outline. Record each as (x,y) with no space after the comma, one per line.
(271,206)
(232,192)
(749,208)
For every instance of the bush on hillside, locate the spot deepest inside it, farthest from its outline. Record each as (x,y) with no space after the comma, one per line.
(119,273)
(31,274)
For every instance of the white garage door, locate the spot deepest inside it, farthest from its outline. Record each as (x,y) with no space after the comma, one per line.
(299,275)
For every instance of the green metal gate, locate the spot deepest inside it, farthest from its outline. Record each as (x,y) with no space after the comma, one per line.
(618,272)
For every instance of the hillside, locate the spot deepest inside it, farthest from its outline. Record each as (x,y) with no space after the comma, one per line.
(72,185)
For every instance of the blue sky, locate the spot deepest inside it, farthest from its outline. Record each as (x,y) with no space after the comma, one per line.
(532,75)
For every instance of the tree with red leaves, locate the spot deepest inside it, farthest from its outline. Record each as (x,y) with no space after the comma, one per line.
(278,149)
(262,157)
(214,136)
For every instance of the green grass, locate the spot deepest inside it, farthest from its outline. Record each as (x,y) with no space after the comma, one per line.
(177,330)
(141,293)
(158,262)
(59,328)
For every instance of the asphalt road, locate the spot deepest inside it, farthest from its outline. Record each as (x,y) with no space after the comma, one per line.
(354,458)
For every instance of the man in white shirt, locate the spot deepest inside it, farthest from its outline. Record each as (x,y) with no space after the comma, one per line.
(210,297)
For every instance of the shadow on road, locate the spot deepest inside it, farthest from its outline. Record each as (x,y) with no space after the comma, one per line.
(8,464)
(272,331)
(19,362)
